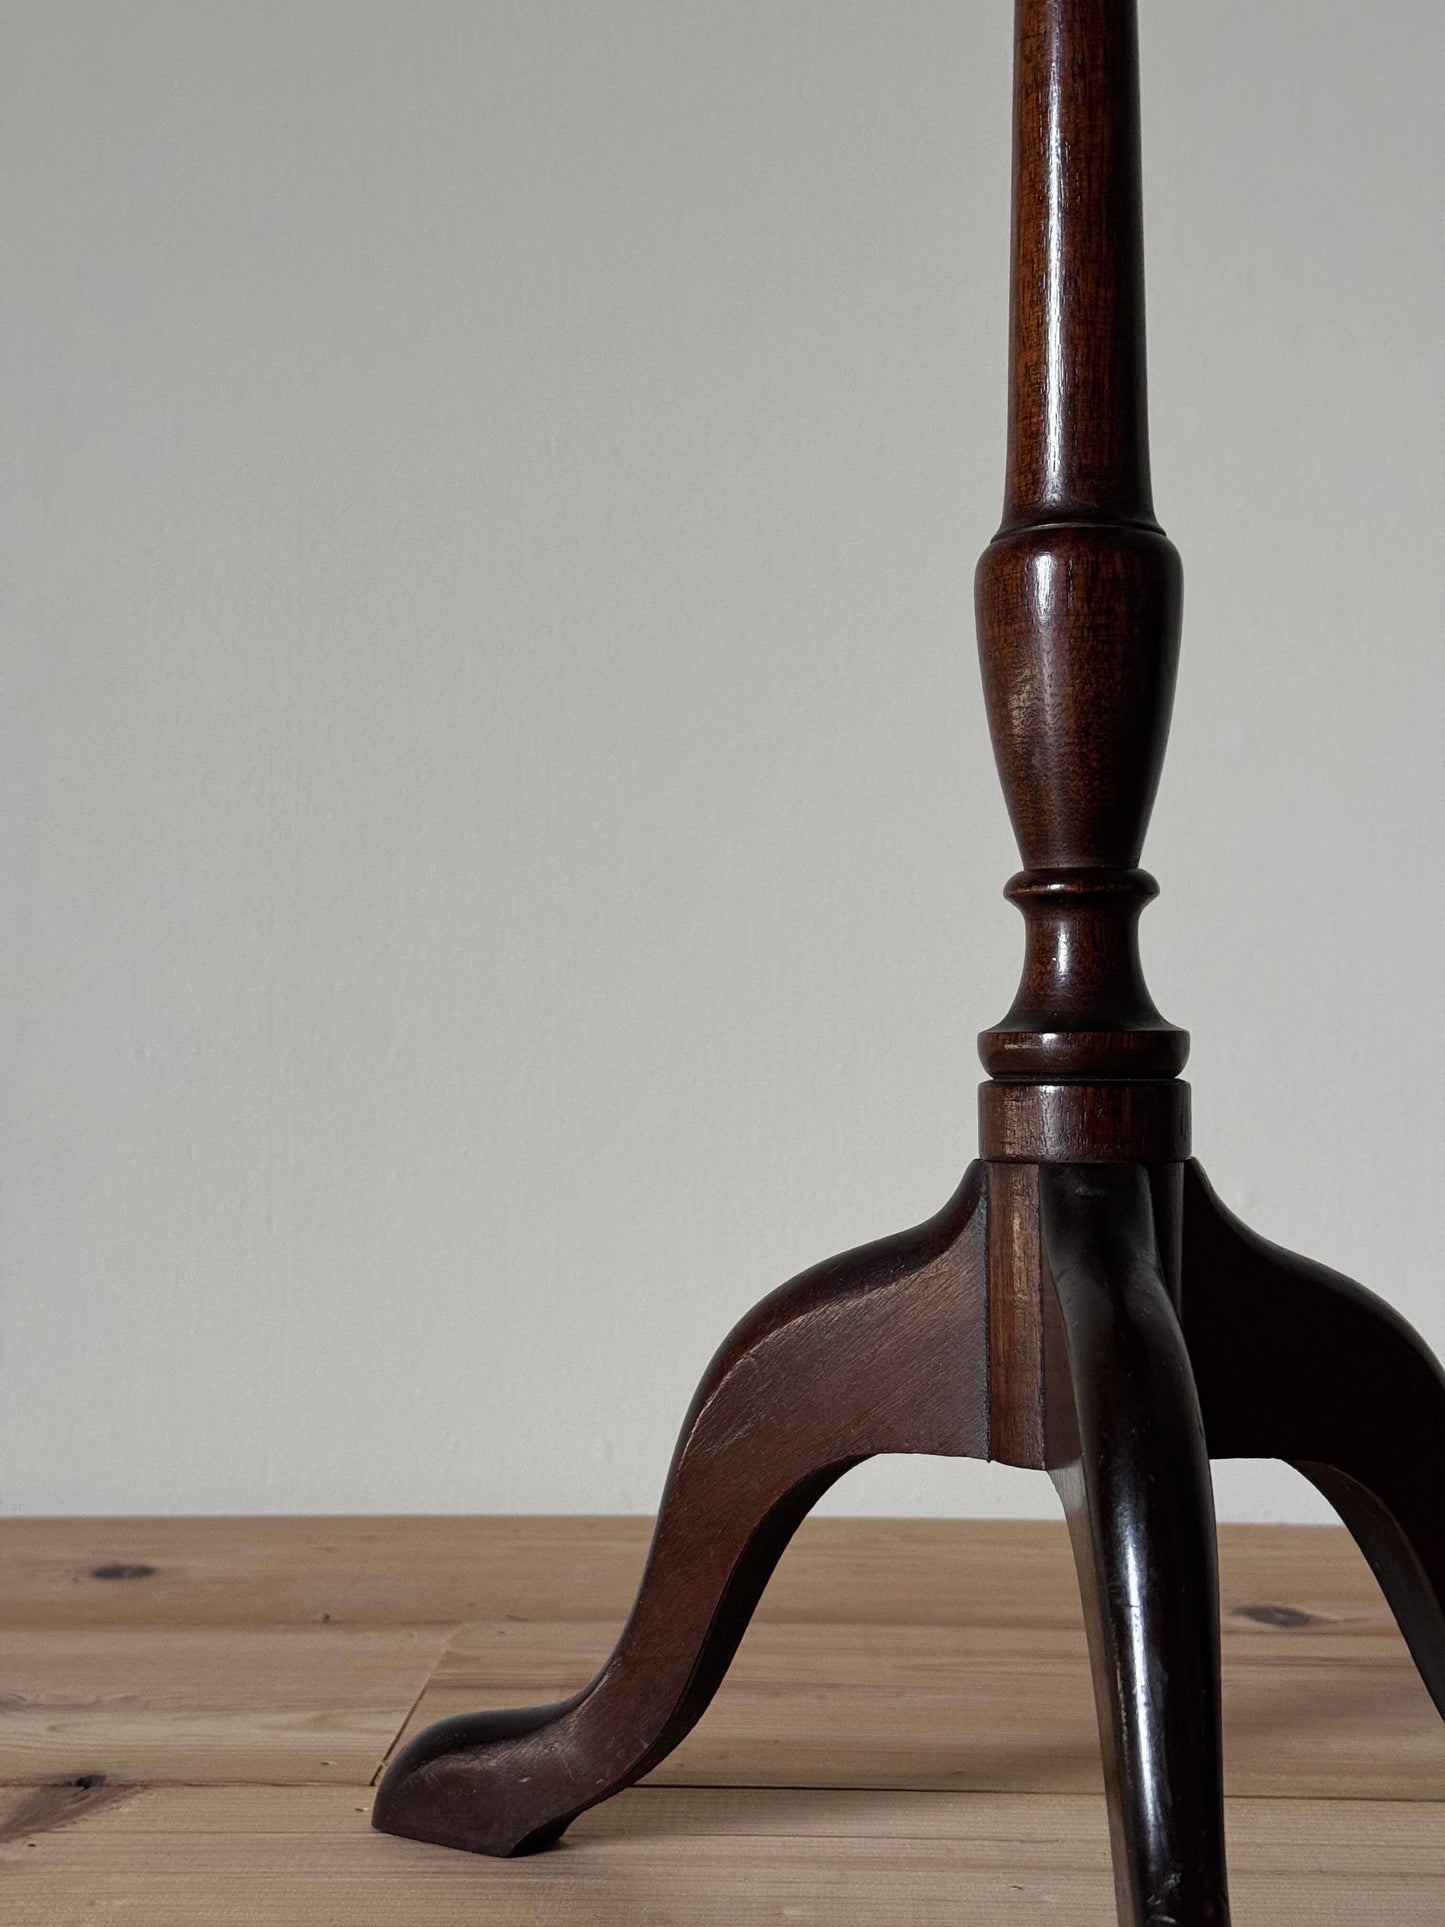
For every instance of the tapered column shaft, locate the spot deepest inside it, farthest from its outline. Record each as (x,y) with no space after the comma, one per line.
(1079,594)
(1078,431)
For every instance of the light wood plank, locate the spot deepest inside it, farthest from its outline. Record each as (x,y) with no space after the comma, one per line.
(413,1571)
(1320,1695)
(309,1571)
(169,1857)
(207,1703)
(1308,1711)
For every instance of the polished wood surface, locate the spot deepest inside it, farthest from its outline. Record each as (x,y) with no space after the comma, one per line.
(1137,1496)
(1079,594)
(1296,1362)
(856,1357)
(1078,438)
(907,1734)
(1131,1120)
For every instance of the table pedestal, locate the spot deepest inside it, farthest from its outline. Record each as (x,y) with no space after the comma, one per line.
(1083,1304)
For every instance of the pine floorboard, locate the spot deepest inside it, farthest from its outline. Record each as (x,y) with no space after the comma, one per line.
(193,1711)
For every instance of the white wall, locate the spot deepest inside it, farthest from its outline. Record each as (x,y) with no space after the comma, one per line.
(501,853)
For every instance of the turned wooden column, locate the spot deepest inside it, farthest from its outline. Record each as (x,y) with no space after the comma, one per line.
(1078,599)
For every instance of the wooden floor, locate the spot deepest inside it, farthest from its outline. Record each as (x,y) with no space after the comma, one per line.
(193,1712)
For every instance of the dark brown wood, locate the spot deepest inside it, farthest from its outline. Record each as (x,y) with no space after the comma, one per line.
(1082,1305)
(1124,1122)
(1078,440)
(1141,1518)
(1022,1360)
(1079,594)
(1296,1362)
(882,1350)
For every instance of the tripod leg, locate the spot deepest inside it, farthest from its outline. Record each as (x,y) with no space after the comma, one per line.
(1296,1362)
(1141,1518)
(882,1350)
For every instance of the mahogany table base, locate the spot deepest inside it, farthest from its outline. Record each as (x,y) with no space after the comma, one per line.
(1083,1304)
(1112,1324)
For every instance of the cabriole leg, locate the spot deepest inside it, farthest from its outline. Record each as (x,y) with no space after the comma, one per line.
(1141,1517)
(882,1350)
(1296,1362)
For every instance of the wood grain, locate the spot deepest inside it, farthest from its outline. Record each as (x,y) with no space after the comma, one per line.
(892,1653)
(268,1857)
(305,1571)
(995,1707)
(207,1703)
(971,1674)
(883,1349)
(450,1570)
(1079,595)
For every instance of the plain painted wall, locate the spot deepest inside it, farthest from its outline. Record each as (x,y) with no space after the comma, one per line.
(501,852)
